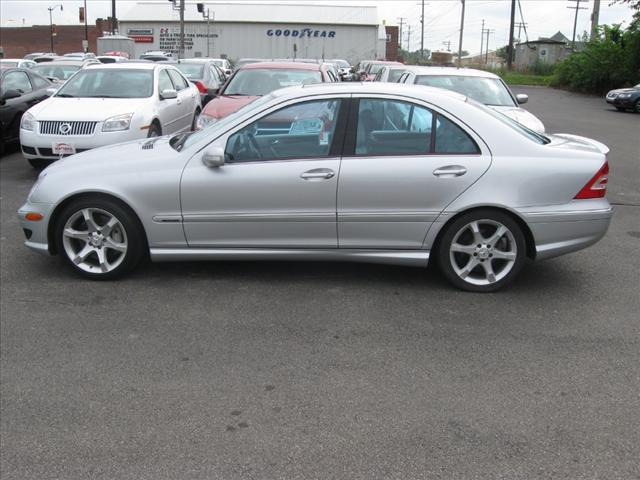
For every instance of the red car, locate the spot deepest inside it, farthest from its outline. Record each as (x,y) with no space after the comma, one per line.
(256,79)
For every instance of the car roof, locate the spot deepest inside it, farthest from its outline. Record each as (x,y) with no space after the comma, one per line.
(460,72)
(276,65)
(14,60)
(372,88)
(127,65)
(73,63)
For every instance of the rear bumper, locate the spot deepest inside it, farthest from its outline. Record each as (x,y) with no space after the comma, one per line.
(575,226)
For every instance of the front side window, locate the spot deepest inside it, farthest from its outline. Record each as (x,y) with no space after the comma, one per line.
(109,83)
(303,130)
(395,74)
(40,82)
(17,81)
(387,127)
(164,81)
(179,82)
(61,72)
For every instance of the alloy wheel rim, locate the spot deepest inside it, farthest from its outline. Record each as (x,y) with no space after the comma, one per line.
(95,240)
(483,252)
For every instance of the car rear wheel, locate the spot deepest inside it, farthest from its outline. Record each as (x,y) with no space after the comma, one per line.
(482,251)
(99,238)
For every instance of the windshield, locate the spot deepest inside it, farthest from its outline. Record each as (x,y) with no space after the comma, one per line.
(260,81)
(342,63)
(109,83)
(191,70)
(61,72)
(209,131)
(489,91)
(530,134)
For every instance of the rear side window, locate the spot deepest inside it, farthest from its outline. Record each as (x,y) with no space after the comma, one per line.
(395,127)
(450,138)
(387,127)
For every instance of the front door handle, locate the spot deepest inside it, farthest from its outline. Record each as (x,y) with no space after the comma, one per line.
(318,174)
(450,171)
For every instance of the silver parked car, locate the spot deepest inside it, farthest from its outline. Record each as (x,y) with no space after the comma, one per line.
(373,172)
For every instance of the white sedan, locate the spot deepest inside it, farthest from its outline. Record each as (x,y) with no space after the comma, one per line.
(108,104)
(484,87)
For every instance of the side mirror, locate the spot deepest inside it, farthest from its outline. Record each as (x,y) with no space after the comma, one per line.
(50,91)
(168,94)
(522,98)
(9,94)
(228,72)
(213,157)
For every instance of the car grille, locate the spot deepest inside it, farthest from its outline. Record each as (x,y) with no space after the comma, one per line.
(49,127)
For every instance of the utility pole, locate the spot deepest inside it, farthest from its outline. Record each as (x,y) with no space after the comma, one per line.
(511,31)
(181,54)
(460,41)
(113,17)
(486,57)
(482,40)
(206,14)
(575,21)
(520,26)
(51,9)
(86,27)
(422,32)
(595,16)
(448,45)
(402,19)
(409,38)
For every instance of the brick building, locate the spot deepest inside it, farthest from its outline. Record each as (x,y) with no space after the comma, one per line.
(16,42)
(391,53)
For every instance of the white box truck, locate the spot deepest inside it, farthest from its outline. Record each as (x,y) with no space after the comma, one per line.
(116,43)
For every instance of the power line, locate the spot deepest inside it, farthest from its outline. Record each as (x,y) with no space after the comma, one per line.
(575,20)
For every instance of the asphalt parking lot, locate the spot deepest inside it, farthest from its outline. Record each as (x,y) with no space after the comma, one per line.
(331,371)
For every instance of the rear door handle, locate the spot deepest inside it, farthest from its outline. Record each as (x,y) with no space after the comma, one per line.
(318,174)
(450,171)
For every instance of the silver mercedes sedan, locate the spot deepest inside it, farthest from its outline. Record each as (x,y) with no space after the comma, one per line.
(375,172)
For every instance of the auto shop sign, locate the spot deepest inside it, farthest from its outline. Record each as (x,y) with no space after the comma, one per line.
(302,33)
(141,35)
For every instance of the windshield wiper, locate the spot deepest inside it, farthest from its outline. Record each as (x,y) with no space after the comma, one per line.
(178,141)
(65,95)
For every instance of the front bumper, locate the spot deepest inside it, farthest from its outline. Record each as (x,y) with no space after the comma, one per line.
(36,231)
(575,226)
(36,145)
(623,102)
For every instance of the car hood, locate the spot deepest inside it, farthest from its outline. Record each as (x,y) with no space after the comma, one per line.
(85,109)
(224,105)
(521,116)
(623,90)
(575,142)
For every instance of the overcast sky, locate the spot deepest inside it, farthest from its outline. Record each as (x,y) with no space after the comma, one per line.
(442,17)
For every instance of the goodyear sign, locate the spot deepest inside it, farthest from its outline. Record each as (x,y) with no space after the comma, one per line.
(302,33)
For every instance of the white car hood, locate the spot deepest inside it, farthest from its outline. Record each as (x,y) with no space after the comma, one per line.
(523,117)
(85,109)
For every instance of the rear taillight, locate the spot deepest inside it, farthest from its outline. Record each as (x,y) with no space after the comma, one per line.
(597,186)
(201,87)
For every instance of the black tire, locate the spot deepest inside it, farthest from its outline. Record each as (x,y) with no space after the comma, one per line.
(129,228)
(636,106)
(194,123)
(39,163)
(513,243)
(154,130)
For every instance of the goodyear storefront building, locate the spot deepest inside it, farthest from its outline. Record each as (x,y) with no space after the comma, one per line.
(238,30)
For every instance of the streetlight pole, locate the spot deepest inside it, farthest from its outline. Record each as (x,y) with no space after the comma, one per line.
(51,9)
(86,27)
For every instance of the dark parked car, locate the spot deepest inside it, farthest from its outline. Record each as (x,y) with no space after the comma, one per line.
(204,74)
(625,98)
(20,89)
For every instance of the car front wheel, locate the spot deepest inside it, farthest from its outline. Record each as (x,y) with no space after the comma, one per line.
(99,238)
(482,251)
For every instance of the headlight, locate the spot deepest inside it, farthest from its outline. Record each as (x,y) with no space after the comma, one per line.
(205,121)
(36,185)
(624,95)
(117,123)
(28,122)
